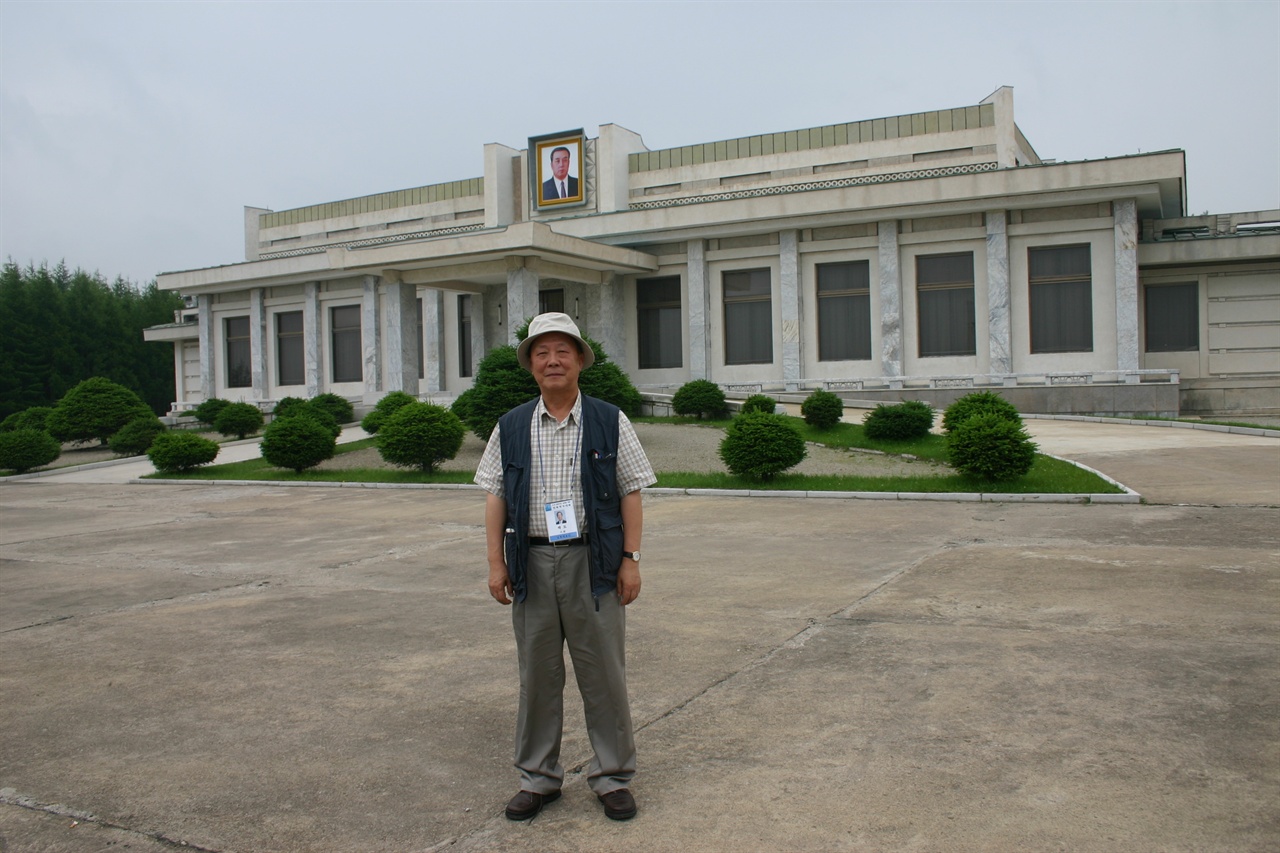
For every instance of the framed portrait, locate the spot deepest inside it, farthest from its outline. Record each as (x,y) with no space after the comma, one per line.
(555,170)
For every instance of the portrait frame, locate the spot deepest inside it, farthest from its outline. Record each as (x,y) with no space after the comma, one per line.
(541,170)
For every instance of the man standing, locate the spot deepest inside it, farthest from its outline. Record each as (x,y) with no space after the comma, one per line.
(560,185)
(562,528)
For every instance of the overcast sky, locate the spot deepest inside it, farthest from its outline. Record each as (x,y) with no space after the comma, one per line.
(133,134)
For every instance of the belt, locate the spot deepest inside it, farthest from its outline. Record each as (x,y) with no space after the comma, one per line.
(563,543)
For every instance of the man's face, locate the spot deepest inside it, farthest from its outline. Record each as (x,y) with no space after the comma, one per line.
(560,164)
(555,362)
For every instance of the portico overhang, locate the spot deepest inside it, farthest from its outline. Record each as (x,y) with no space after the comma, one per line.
(470,262)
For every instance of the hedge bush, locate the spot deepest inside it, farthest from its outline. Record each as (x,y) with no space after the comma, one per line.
(822,409)
(759,446)
(699,397)
(94,409)
(24,449)
(287,406)
(239,419)
(979,402)
(340,407)
(207,412)
(372,422)
(175,451)
(136,436)
(298,441)
(989,446)
(35,417)
(901,422)
(420,435)
(604,380)
(759,403)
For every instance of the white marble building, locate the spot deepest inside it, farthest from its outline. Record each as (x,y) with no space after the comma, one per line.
(914,256)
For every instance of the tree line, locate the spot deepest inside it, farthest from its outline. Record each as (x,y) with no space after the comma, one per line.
(58,327)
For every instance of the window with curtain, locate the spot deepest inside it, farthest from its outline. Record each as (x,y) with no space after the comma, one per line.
(661,343)
(344,323)
(748,317)
(239,372)
(1060,281)
(844,311)
(945,305)
(464,334)
(290,366)
(1172,317)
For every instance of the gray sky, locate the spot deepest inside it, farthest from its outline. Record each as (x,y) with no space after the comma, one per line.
(133,134)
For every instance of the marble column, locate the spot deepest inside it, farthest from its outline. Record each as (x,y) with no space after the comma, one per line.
(612,312)
(208,374)
(311,338)
(371,339)
(433,355)
(998,316)
(890,300)
(791,307)
(401,328)
(522,296)
(258,343)
(1126,237)
(699,311)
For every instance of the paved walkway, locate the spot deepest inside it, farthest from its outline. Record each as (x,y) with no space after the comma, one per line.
(258,669)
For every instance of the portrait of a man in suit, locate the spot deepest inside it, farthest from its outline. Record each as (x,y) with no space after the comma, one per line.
(561,185)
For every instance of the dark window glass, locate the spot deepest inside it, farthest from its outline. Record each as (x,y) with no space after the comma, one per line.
(748,317)
(239,373)
(418,346)
(1173,317)
(464,335)
(347,356)
(290,366)
(551,300)
(844,311)
(945,304)
(1061,297)
(661,342)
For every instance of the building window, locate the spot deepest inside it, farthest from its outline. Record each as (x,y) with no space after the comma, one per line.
(422,371)
(290,366)
(344,322)
(1061,296)
(748,317)
(239,373)
(944,298)
(1173,317)
(658,316)
(464,335)
(551,300)
(844,311)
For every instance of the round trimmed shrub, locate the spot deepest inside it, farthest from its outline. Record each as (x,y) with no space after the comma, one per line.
(979,402)
(822,409)
(759,403)
(700,397)
(207,412)
(989,446)
(175,451)
(372,422)
(340,407)
(239,419)
(287,406)
(94,409)
(320,416)
(501,384)
(298,441)
(604,380)
(759,446)
(136,436)
(420,435)
(35,417)
(901,422)
(24,449)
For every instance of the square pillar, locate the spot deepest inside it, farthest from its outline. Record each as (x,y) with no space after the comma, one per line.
(371,339)
(522,296)
(1001,358)
(258,342)
(204,318)
(791,307)
(1126,238)
(890,300)
(311,338)
(699,311)
(401,329)
(433,359)
(612,312)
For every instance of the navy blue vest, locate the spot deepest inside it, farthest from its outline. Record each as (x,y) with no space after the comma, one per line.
(602,505)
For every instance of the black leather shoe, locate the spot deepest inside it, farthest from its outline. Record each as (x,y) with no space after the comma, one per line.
(618,805)
(526,804)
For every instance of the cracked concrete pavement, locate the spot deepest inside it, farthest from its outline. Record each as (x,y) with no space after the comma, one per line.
(237,668)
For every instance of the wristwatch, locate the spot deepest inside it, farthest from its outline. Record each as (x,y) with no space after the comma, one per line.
(632,555)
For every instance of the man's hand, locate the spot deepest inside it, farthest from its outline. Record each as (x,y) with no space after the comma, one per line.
(500,584)
(628,581)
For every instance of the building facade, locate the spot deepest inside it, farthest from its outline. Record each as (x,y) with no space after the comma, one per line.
(914,256)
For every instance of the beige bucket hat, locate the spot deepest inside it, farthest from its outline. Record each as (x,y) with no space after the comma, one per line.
(553,322)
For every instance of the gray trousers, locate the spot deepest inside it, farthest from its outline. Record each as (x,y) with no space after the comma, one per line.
(559,609)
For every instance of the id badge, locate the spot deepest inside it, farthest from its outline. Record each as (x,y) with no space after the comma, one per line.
(561,522)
